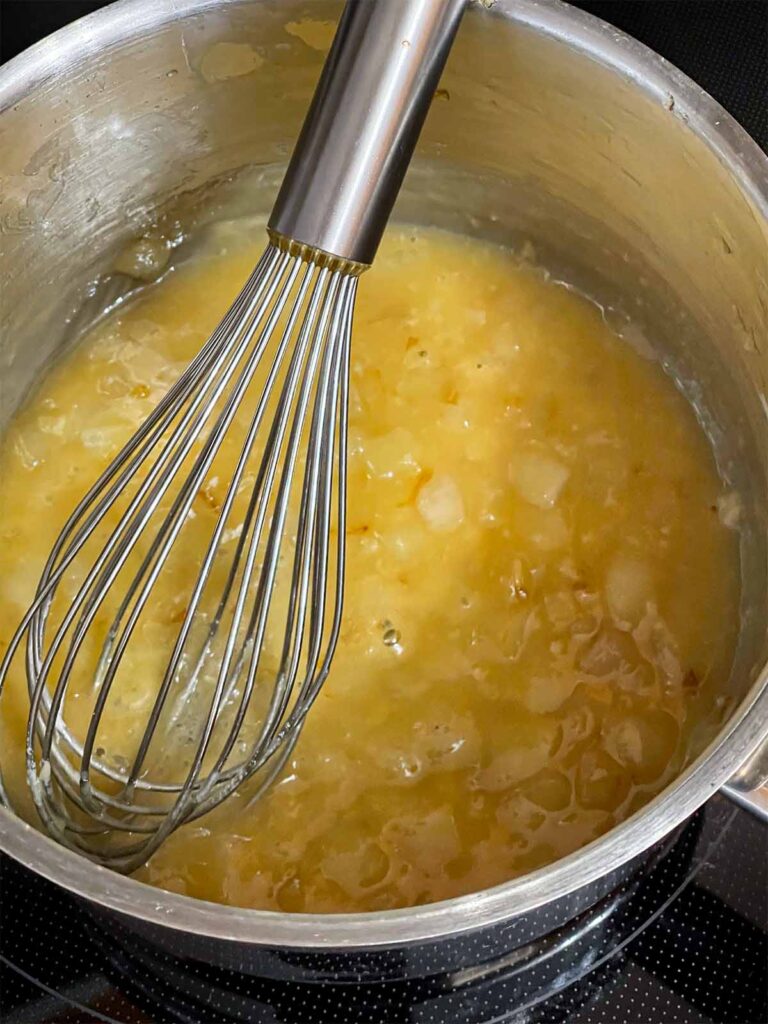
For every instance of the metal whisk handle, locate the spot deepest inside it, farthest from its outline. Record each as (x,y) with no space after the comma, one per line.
(363,125)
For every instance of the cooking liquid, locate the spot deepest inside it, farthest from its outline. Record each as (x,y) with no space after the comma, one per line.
(541,602)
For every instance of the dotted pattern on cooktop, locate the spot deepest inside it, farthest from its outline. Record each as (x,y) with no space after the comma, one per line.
(663,948)
(721,45)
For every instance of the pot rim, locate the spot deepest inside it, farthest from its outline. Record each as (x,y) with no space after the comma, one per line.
(739,738)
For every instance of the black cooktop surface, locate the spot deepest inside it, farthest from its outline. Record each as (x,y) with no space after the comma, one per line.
(684,943)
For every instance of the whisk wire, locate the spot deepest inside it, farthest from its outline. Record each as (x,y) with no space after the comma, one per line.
(46,723)
(152,431)
(53,571)
(168,534)
(81,795)
(261,491)
(284,681)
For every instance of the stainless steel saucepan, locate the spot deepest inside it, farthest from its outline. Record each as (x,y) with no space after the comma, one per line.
(549,127)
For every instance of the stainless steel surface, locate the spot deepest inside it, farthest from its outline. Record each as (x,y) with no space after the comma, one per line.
(748,787)
(357,141)
(551,127)
(755,801)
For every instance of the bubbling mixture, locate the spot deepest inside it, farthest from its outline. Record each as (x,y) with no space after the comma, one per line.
(542,591)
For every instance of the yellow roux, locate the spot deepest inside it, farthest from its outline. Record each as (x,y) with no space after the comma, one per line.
(541,596)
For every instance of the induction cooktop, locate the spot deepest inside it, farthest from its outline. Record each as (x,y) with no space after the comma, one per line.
(685,942)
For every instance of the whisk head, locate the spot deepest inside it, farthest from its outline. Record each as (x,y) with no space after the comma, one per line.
(122,748)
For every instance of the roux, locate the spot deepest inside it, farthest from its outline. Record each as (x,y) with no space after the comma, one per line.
(541,602)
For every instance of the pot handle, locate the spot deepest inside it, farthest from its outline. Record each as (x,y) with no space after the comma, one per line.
(749,786)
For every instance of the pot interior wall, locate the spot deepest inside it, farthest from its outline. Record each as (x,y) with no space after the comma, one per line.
(529,140)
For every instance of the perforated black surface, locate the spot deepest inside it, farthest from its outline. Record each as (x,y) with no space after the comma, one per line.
(688,944)
(684,942)
(721,44)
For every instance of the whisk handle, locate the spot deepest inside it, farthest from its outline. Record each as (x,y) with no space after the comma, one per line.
(363,124)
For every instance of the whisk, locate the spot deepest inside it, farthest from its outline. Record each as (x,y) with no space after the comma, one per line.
(225,707)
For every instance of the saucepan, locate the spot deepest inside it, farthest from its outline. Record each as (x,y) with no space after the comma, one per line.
(550,128)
